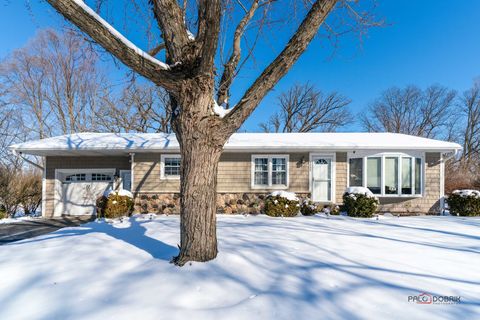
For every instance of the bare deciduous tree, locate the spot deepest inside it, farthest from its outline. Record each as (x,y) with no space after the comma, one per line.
(54,86)
(54,82)
(140,108)
(20,190)
(470,107)
(410,110)
(304,109)
(201,124)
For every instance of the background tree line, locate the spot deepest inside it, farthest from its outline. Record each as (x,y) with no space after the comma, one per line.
(57,84)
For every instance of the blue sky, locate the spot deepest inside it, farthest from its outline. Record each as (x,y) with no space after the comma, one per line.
(426,42)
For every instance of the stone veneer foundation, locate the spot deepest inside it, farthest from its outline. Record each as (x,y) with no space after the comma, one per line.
(227,203)
(252,203)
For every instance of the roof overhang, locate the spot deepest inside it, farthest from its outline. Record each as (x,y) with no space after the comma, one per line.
(101,144)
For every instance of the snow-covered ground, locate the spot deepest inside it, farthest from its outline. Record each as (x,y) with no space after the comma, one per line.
(267,268)
(20,216)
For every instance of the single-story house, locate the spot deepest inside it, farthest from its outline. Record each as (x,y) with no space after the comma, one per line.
(405,172)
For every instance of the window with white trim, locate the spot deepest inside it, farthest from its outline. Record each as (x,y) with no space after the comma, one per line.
(269,171)
(170,166)
(387,174)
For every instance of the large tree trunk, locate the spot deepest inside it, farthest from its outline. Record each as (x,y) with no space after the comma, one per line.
(198,203)
(201,142)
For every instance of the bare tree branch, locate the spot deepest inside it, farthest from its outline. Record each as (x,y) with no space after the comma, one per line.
(304,109)
(157,49)
(280,66)
(170,18)
(470,108)
(209,17)
(99,30)
(411,111)
(231,65)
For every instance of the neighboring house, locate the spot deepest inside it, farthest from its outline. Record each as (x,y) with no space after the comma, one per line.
(405,172)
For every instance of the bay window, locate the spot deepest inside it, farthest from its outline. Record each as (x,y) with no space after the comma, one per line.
(387,174)
(374,169)
(407,175)
(418,176)
(269,171)
(356,172)
(391,175)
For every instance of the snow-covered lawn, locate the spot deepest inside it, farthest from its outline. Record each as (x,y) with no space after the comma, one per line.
(19,219)
(267,268)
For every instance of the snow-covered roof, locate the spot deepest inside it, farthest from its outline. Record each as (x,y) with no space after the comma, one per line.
(109,143)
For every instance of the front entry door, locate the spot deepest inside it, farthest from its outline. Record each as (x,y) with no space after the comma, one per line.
(322,179)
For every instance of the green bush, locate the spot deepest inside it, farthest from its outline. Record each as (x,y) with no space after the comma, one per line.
(3,212)
(309,208)
(114,206)
(359,205)
(464,203)
(277,205)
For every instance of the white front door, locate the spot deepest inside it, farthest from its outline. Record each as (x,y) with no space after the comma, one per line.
(322,179)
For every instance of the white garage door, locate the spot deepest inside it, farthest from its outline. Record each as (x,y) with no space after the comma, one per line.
(77,192)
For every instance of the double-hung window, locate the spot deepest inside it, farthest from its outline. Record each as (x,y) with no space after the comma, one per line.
(269,171)
(170,166)
(387,174)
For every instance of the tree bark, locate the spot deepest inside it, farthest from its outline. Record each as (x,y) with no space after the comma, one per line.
(198,202)
(201,138)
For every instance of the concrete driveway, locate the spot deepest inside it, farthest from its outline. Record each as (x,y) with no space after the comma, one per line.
(16,231)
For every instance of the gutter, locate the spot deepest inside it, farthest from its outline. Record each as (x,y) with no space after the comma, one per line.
(20,154)
(249,149)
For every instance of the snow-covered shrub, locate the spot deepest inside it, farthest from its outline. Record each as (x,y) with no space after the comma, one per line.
(281,204)
(331,209)
(464,202)
(309,208)
(114,204)
(360,202)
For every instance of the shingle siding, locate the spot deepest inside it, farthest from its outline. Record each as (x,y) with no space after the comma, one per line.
(340,175)
(234,176)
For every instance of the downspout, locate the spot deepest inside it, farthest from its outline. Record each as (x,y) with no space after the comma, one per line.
(442,184)
(132,160)
(444,157)
(19,154)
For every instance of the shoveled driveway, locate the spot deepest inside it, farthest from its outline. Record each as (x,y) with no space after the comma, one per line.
(16,231)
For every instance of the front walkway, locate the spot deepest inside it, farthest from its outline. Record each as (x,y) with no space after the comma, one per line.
(25,229)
